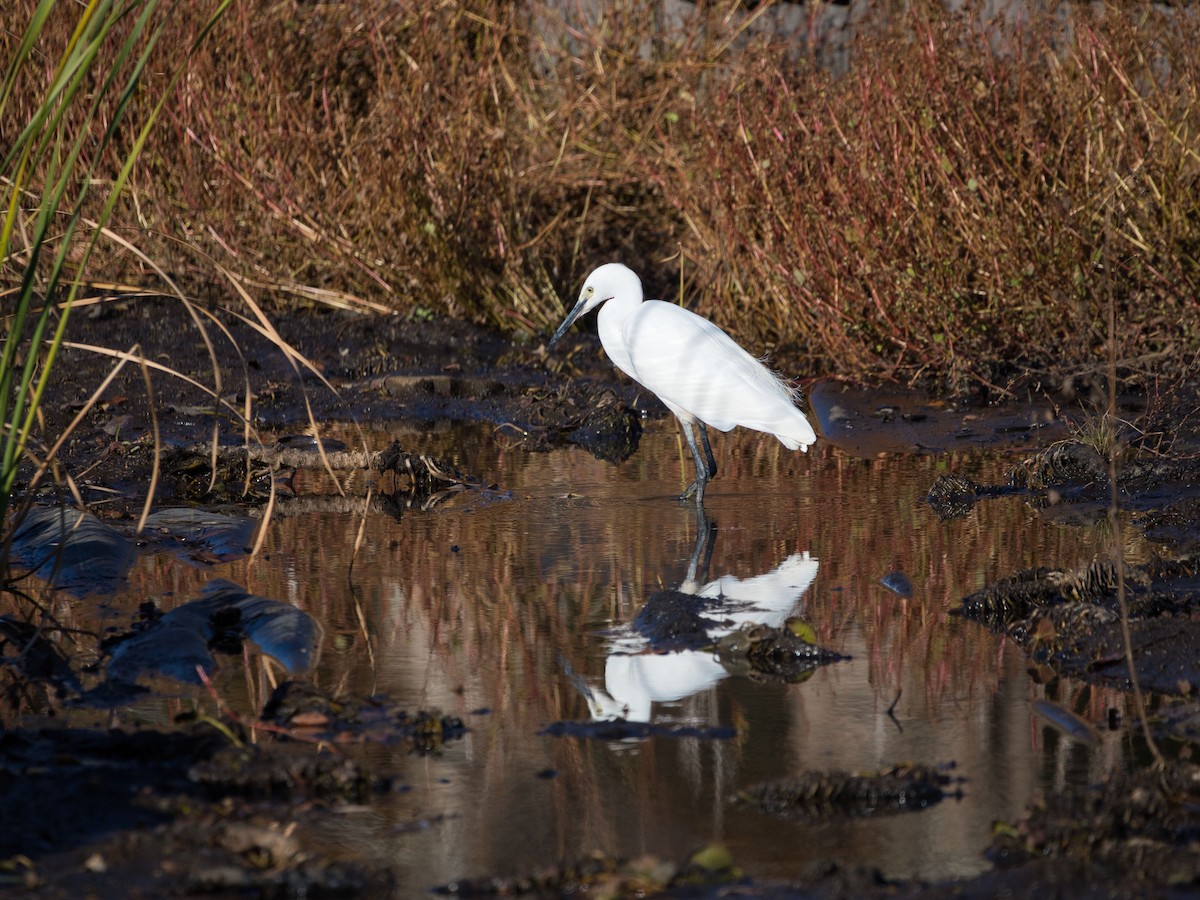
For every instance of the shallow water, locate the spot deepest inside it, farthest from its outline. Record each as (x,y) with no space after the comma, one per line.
(485,605)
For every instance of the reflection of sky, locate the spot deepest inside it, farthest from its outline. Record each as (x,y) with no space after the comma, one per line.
(635,677)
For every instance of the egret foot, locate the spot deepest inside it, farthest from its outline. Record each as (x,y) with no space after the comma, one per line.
(704,471)
(694,490)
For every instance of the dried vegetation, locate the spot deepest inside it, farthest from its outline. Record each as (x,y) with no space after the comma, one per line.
(915,193)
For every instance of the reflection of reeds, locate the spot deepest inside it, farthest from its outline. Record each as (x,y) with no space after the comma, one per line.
(535,578)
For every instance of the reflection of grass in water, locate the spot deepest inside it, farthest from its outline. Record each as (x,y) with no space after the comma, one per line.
(496,614)
(532,579)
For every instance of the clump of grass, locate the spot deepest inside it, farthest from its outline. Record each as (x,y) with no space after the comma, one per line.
(81,98)
(932,210)
(64,129)
(1100,431)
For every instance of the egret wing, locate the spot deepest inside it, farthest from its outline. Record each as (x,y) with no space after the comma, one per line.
(700,372)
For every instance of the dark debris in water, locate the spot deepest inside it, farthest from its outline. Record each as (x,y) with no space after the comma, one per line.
(1070,620)
(312,714)
(1074,471)
(817,796)
(595,418)
(1141,824)
(763,653)
(952,496)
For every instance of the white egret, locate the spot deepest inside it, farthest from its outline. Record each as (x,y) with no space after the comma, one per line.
(696,369)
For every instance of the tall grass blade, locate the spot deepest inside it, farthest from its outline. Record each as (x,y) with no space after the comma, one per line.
(54,163)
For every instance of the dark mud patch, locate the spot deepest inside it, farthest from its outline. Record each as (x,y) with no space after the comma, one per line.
(363,370)
(60,784)
(203,807)
(120,813)
(1070,620)
(1138,826)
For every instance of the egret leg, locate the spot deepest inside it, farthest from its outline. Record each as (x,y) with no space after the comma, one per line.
(706,538)
(696,488)
(712,463)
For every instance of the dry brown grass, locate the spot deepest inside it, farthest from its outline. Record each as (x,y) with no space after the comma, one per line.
(937,210)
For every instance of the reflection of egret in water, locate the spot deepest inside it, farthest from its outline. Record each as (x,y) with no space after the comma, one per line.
(636,676)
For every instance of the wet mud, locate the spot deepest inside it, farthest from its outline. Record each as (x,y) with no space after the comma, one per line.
(1075,622)
(221,804)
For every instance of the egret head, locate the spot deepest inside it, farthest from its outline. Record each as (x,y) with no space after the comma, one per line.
(609,281)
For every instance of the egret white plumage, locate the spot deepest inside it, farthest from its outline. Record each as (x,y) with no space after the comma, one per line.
(696,369)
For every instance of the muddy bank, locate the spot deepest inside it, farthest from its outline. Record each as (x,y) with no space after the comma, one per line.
(361,371)
(1076,622)
(200,812)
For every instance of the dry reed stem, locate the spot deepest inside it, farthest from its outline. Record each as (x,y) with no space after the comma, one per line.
(932,210)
